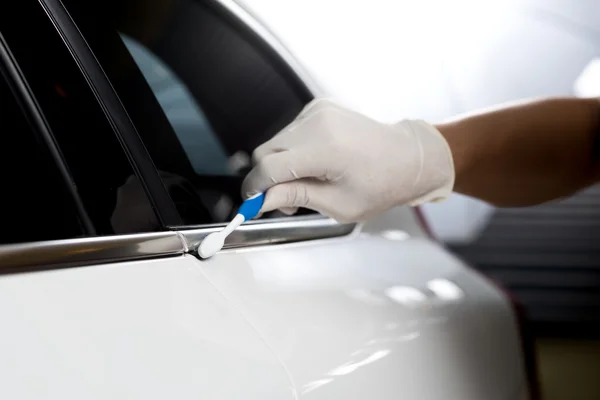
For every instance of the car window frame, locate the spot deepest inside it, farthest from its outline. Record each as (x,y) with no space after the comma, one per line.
(174,242)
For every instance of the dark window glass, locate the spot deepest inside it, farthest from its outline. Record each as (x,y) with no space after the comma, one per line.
(100,169)
(35,203)
(202,90)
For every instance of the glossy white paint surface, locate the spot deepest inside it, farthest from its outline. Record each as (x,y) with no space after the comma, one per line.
(353,318)
(376,318)
(138,330)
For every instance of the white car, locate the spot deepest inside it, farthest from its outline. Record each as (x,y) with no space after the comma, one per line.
(128,128)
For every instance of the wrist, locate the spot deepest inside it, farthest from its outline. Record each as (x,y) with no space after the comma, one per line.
(459,149)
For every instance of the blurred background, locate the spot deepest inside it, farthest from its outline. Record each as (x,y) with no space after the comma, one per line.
(433,59)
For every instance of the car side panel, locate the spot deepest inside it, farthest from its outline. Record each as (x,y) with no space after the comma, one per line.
(136,330)
(375,317)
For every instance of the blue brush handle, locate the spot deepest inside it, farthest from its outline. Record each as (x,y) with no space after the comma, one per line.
(251,207)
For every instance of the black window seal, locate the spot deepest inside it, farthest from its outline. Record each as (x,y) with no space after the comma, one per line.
(23,95)
(116,114)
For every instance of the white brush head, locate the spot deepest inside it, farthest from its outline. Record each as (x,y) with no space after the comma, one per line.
(211,244)
(215,241)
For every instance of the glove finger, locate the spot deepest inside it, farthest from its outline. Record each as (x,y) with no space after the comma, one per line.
(292,195)
(322,197)
(273,145)
(289,210)
(285,166)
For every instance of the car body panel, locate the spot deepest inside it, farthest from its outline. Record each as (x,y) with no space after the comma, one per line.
(355,317)
(369,316)
(136,330)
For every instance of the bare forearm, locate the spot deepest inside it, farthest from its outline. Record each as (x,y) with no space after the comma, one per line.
(527,153)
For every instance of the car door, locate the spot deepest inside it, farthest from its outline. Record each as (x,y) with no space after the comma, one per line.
(136,319)
(154,109)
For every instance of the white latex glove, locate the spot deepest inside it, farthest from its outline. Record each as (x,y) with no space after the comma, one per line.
(349,167)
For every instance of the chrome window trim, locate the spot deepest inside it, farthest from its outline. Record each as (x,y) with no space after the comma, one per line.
(56,254)
(272,231)
(85,251)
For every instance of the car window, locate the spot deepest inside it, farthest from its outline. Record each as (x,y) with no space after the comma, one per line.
(96,160)
(35,203)
(200,142)
(202,90)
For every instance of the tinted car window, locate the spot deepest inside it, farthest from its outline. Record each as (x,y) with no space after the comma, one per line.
(35,203)
(202,90)
(101,171)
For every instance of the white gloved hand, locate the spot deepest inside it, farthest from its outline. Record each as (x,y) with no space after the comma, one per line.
(349,167)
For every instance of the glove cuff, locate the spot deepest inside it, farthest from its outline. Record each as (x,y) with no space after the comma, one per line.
(437,175)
